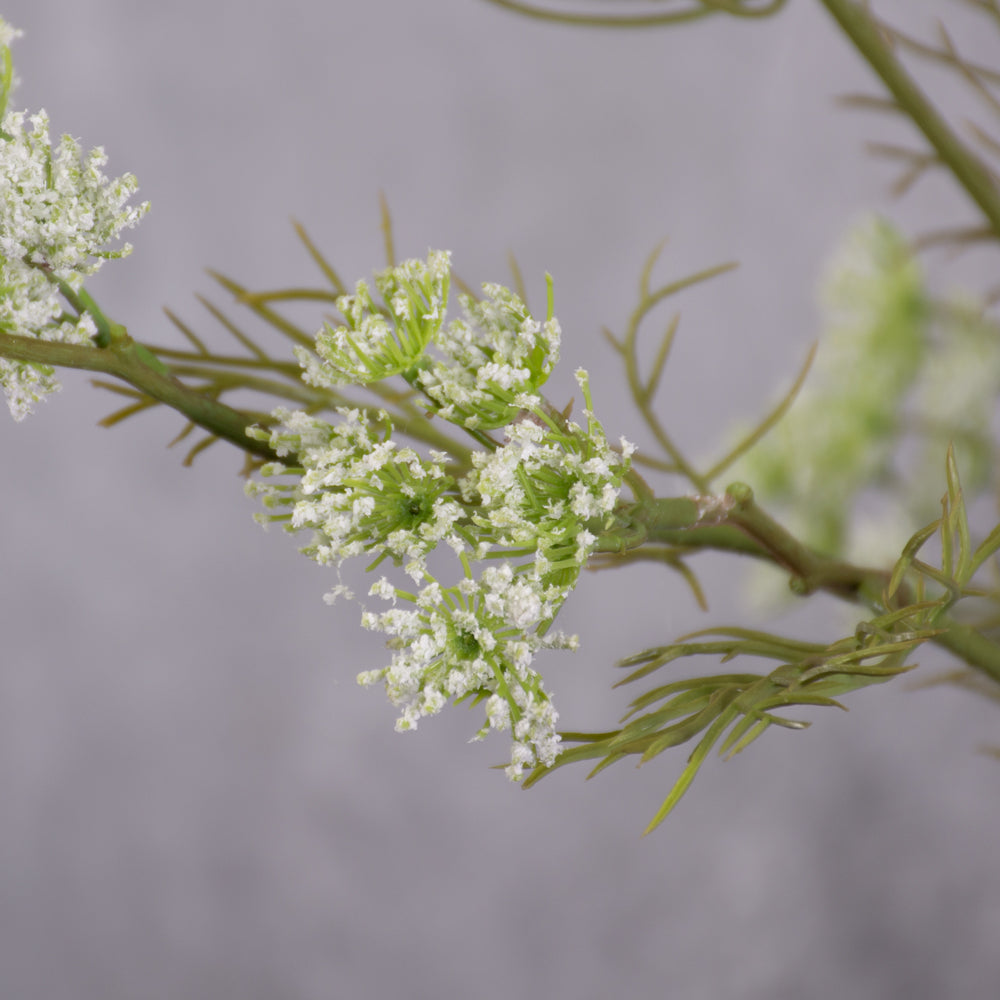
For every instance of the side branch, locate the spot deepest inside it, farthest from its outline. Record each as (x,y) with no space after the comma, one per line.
(696,10)
(859,25)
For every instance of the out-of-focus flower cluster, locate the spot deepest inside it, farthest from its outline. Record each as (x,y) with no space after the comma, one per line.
(519,519)
(881,406)
(58,215)
(841,432)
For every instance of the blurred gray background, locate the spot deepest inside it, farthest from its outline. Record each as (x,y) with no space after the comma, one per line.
(196,799)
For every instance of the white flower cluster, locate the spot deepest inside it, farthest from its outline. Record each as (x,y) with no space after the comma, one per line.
(850,411)
(7,34)
(528,507)
(58,213)
(58,209)
(359,492)
(538,493)
(376,342)
(472,640)
(493,358)
(473,371)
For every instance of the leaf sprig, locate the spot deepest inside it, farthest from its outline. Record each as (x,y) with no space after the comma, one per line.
(732,710)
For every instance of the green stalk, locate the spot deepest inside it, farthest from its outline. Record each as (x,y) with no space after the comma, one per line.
(734,523)
(858,24)
(132,363)
(972,647)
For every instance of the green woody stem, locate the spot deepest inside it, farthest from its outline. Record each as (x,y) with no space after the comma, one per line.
(734,523)
(129,361)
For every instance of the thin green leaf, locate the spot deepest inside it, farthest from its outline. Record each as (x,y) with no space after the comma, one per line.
(697,758)
(693,686)
(986,549)
(515,270)
(769,421)
(145,403)
(321,262)
(958,518)
(748,729)
(285,326)
(662,353)
(909,554)
(386,218)
(681,732)
(187,332)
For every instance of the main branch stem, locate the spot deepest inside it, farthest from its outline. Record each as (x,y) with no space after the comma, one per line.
(124,360)
(734,523)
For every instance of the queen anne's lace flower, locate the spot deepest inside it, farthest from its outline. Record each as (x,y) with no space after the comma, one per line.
(360,493)
(7,34)
(472,371)
(472,640)
(498,354)
(539,492)
(532,505)
(58,210)
(58,215)
(378,342)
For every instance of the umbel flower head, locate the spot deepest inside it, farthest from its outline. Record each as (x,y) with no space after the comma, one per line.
(546,487)
(526,509)
(376,343)
(851,412)
(493,359)
(359,492)
(58,215)
(472,371)
(471,640)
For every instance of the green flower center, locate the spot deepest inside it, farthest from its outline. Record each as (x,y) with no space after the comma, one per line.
(464,644)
